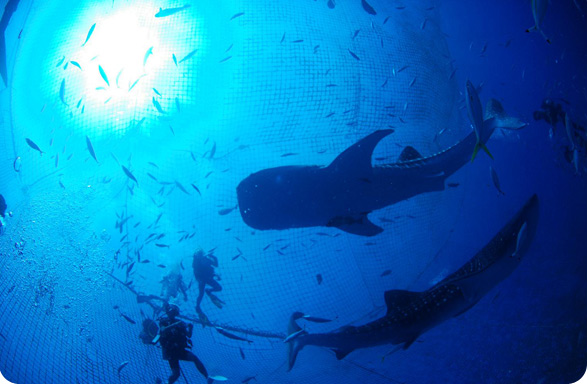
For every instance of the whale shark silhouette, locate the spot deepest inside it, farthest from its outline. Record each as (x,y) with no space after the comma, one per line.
(410,314)
(342,194)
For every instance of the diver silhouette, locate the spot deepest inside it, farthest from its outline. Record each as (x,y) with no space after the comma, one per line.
(174,337)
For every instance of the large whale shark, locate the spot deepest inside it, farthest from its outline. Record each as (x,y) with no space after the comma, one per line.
(410,314)
(342,194)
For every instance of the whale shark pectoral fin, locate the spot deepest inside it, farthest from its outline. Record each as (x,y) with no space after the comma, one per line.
(341,353)
(358,158)
(409,153)
(357,225)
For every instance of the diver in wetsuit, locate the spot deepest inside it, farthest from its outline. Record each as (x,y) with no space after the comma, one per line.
(171,284)
(204,273)
(174,337)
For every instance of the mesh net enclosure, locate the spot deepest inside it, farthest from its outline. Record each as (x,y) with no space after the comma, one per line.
(143,128)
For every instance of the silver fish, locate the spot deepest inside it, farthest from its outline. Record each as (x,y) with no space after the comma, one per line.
(89,34)
(171,11)
(495,180)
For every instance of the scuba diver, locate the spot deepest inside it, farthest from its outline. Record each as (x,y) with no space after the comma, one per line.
(204,273)
(174,337)
(574,152)
(171,283)
(551,112)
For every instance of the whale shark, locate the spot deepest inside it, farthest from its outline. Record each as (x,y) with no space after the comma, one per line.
(342,194)
(410,314)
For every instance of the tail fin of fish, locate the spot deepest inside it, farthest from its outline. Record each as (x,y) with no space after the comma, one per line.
(495,117)
(295,343)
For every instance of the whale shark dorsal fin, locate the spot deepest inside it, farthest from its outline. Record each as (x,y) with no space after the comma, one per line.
(358,157)
(355,224)
(409,153)
(397,298)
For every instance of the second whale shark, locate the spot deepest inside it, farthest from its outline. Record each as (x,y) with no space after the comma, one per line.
(410,314)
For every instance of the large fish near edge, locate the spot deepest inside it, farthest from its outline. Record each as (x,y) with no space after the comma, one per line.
(410,314)
(342,194)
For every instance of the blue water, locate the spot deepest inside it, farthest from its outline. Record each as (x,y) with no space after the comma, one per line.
(255,85)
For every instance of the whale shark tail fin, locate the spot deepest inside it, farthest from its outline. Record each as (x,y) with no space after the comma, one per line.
(294,340)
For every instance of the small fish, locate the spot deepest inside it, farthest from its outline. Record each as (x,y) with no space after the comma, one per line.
(75,63)
(103,74)
(79,103)
(452,73)
(230,335)
(298,41)
(386,273)
(89,34)
(171,11)
(147,54)
(402,69)
(161,265)
(91,148)
(196,188)
(236,15)
(289,154)
(175,59)
(453,185)
(575,161)
(34,146)
(412,82)
(218,378)
(354,55)
(156,92)
(158,106)
(162,245)
(355,34)
(226,211)
(241,353)
(122,365)
(319,279)
(331,4)
(56,160)
(17,164)
(521,237)
(128,319)
(315,319)
(569,127)
(424,23)
(248,379)
(118,77)
(225,59)
(368,8)
(177,104)
(181,187)
(62,92)
(60,62)
(189,55)
(172,130)
(212,151)
(495,180)
(281,41)
(129,174)
(294,335)
(384,83)
(136,81)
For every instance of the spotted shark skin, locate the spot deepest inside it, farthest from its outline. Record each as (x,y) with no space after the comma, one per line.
(410,314)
